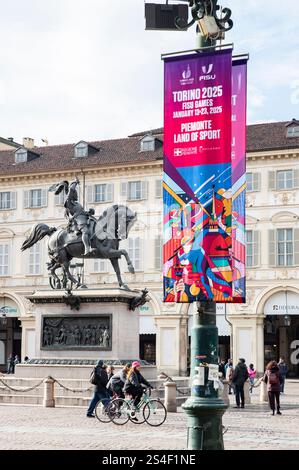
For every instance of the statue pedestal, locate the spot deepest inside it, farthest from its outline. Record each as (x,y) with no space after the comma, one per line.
(88,324)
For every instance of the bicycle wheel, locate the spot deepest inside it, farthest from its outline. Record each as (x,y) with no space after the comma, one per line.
(154,413)
(119,411)
(101,411)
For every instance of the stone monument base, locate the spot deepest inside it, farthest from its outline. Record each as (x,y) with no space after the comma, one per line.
(87,324)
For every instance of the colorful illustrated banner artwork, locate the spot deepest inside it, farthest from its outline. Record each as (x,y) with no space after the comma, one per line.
(239,105)
(197,184)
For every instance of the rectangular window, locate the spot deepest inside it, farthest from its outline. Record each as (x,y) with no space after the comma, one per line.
(102,193)
(35,198)
(135,252)
(34,259)
(135,190)
(4,260)
(100,266)
(285,247)
(285,179)
(59,199)
(5,200)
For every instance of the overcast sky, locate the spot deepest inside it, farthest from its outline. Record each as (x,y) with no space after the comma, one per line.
(87,69)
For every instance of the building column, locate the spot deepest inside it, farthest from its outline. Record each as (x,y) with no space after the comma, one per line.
(248,339)
(171,343)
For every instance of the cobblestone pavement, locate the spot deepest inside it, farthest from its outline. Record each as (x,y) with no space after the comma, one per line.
(28,427)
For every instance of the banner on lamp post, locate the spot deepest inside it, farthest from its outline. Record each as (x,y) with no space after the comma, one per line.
(197,183)
(239,105)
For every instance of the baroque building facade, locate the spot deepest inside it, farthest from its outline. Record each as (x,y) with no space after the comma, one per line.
(129,171)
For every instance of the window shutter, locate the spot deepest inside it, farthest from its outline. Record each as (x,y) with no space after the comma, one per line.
(90,194)
(296,178)
(256,182)
(26,199)
(158,253)
(109,193)
(272,180)
(138,254)
(144,189)
(256,248)
(272,248)
(44,197)
(124,190)
(158,188)
(296,246)
(13,200)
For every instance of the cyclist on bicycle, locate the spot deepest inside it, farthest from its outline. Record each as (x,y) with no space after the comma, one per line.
(117,381)
(134,382)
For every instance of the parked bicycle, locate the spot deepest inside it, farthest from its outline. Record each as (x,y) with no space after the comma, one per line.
(149,410)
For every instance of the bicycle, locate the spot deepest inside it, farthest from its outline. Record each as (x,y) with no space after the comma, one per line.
(150,410)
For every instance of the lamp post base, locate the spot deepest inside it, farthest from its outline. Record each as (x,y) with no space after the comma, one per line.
(204,423)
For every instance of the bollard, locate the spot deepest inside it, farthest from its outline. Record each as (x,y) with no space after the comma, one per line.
(224,393)
(247,395)
(49,401)
(263,392)
(170,397)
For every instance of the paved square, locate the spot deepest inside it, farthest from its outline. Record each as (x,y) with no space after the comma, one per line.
(28,427)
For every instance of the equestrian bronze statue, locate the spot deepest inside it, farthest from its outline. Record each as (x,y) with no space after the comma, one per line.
(84,237)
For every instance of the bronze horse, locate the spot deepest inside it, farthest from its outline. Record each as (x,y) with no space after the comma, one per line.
(66,244)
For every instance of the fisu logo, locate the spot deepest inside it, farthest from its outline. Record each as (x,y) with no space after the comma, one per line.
(207,70)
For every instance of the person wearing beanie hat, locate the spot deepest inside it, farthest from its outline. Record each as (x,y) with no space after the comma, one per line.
(100,380)
(134,382)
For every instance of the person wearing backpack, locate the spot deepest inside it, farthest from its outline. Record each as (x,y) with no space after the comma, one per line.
(273,379)
(99,379)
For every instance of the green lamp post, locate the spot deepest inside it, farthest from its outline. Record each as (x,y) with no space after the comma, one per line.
(204,408)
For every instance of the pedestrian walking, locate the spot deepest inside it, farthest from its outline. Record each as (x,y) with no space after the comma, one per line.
(229,372)
(273,379)
(283,369)
(100,380)
(110,371)
(252,375)
(239,378)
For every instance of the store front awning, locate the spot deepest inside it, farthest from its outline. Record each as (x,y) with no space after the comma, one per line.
(147,325)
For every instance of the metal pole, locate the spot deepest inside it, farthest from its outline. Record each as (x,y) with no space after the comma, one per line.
(204,408)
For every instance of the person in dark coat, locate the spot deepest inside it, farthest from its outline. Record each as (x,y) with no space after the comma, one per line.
(100,391)
(11,365)
(117,381)
(134,382)
(283,369)
(239,378)
(221,368)
(273,379)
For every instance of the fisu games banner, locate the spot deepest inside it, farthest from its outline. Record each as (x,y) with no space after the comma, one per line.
(197,184)
(239,106)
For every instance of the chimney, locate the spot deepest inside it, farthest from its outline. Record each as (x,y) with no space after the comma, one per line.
(28,143)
